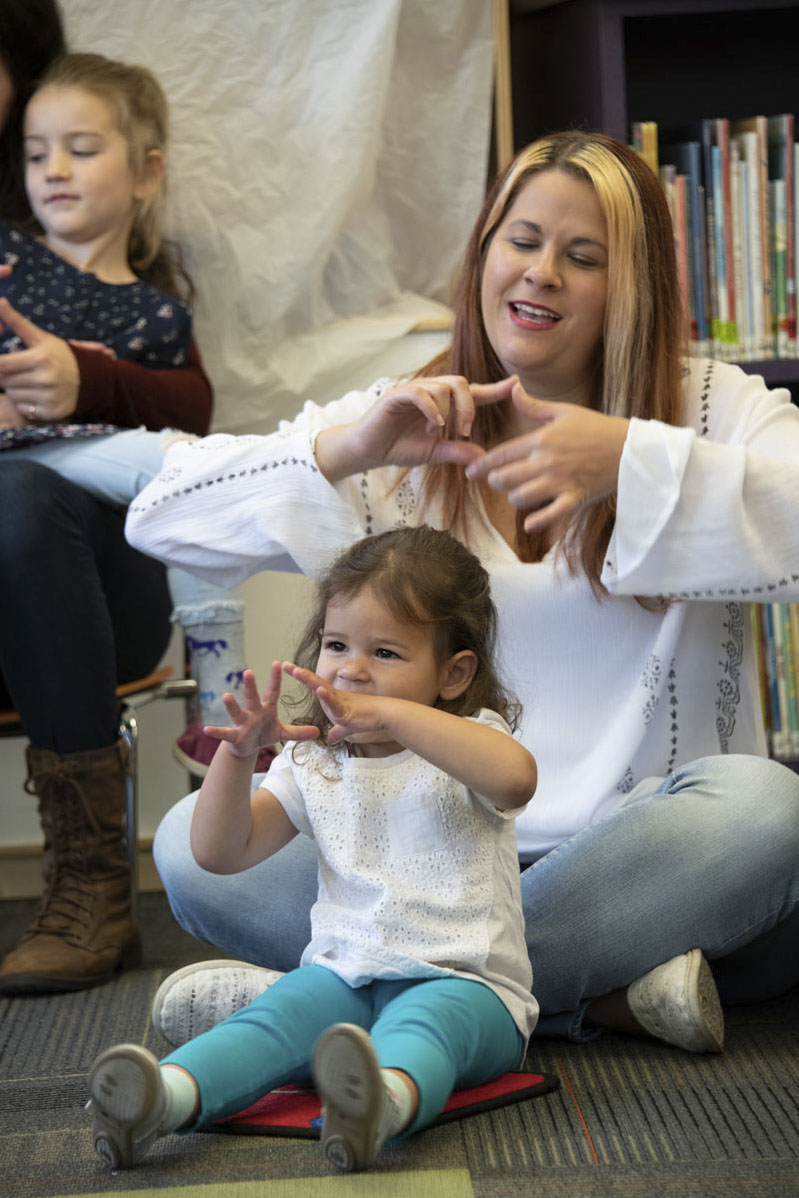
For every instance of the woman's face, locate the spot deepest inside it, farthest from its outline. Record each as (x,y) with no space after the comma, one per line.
(544,286)
(6,94)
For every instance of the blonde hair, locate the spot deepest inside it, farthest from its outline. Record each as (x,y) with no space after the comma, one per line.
(639,359)
(141,113)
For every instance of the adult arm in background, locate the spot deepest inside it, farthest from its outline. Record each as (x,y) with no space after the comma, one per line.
(129,394)
(72,383)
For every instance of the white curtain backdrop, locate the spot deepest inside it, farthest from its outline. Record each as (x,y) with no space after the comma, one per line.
(328,159)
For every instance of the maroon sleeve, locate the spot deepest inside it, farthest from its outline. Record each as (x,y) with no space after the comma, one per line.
(129,394)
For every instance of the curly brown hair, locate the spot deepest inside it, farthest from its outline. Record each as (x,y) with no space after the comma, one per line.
(422,575)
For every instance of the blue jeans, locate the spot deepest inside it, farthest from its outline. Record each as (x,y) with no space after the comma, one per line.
(80,610)
(446,1033)
(113,469)
(709,860)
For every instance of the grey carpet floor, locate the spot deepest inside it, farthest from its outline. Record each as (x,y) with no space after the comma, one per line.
(630,1117)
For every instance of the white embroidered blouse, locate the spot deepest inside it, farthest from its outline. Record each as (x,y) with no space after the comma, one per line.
(613,695)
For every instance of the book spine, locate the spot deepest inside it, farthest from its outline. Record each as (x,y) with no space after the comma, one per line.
(779,270)
(780,156)
(704,269)
(722,138)
(738,254)
(755,243)
(681,243)
(790,234)
(790,680)
(793,622)
(770,654)
(767,344)
(758,641)
(721,328)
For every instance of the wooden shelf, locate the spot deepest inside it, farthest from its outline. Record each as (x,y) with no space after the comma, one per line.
(602,64)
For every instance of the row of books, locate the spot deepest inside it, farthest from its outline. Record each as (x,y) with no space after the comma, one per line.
(776,629)
(730,185)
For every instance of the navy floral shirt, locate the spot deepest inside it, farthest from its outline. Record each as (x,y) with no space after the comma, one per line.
(136,320)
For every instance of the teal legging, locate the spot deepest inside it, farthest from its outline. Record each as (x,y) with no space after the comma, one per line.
(446,1033)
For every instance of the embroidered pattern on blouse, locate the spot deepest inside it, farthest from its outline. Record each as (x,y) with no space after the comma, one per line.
(729,685)
(224,479)
(368,520)
(650,680)
(626,784)
(405,498)
(388,856)
(674,703)
(704,403)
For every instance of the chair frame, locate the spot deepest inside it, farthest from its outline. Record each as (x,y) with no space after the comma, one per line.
(131,696)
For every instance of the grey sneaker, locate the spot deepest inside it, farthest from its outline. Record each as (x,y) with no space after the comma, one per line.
(197,997)
(678,1002)
(127,1104)
(357,1109)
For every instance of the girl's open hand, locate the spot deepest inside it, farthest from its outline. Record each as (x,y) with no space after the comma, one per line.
(256,724)
(569,457)
(347,711)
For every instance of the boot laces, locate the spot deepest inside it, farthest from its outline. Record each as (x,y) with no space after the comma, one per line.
(70,898)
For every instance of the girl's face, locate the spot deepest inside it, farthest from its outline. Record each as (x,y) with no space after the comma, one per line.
(80,183)
(544,286)
(6,95)
(368,650)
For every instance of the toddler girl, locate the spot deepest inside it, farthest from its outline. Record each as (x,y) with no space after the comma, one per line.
(416,979)
(101,274)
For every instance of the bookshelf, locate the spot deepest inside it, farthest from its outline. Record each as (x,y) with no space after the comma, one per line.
(602,64)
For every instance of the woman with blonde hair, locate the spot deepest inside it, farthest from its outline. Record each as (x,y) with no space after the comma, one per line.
(628,502)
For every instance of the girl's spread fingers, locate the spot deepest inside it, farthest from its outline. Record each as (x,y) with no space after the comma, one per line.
(219,733)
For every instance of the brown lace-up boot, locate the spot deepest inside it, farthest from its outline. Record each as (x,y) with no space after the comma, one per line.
(84,926)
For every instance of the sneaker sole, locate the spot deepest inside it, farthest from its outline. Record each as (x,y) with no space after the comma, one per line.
(707,1009)
(692,1019)
(350,1084)
(125,1088)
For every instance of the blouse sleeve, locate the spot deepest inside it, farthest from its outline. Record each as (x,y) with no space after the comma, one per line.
(709,511)
(130,394)
(226,507)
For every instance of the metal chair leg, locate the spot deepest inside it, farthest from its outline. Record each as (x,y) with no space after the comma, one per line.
(129,731)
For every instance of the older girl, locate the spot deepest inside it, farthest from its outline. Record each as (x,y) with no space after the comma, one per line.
(79,610)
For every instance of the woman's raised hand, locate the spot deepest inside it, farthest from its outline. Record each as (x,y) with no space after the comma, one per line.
(42,380)
(256,724)
(407,427)
(569,457)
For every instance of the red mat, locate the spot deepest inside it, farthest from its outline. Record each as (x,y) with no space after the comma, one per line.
(294,1112)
